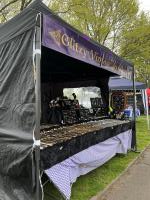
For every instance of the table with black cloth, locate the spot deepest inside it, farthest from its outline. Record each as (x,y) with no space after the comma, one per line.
(60,143)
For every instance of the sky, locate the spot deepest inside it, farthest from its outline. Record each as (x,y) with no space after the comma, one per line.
(145,5)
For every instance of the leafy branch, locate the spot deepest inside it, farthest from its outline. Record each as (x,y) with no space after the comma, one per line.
(7,5)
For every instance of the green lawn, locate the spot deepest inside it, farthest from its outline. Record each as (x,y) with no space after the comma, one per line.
(94,182)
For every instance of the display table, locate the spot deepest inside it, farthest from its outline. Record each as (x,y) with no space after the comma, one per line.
(58,144)
(64,174)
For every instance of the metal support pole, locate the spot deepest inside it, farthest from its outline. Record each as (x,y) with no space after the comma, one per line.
(37,77)
(134,142)
(147,110)
(110,93)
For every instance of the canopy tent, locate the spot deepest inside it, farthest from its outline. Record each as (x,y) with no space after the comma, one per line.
(20,54)
(119,83)
(122,84)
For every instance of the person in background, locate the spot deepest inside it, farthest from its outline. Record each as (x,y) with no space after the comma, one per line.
(51,112)
(59,105)
(56,111)
(74,96)
(77,106)
(129,112)
(111,113)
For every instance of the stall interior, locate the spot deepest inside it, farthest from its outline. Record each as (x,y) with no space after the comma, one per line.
(120,100)
(67,127)
(61,77)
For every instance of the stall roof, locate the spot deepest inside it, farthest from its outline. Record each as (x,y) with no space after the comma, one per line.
(118,83)
(94,53)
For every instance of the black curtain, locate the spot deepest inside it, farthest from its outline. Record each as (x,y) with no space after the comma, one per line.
(17,118)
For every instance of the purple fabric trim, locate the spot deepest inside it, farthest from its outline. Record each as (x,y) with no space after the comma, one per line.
(66,41)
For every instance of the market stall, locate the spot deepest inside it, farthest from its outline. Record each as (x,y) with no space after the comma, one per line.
(47,55)
(124,88)
(69,60)
(121,95)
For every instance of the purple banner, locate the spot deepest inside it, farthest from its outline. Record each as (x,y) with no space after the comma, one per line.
(64,40)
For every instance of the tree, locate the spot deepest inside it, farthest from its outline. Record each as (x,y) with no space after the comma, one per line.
(101,20)
(113,23)
(9,8)
(135,46)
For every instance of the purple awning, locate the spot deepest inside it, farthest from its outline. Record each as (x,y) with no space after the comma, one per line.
(71,43)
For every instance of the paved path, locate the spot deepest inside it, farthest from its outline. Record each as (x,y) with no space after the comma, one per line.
(134,184)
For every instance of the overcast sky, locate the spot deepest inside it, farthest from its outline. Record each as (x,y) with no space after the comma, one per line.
(145,5)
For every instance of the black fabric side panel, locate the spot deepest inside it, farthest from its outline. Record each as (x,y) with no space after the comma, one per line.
(18,25)
(17,118)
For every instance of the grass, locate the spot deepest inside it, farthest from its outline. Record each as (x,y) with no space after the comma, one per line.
(94,182)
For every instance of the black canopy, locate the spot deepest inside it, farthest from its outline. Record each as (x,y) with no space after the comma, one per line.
(17,101)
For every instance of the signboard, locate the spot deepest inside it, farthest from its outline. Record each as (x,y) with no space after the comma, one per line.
(63,39)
